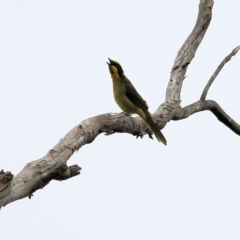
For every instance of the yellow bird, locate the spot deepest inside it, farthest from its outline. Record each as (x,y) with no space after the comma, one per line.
(129,100)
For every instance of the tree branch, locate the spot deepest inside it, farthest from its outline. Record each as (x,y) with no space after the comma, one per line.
(212,106)
(219,68)
(183,59)
(39,173)
(188,50)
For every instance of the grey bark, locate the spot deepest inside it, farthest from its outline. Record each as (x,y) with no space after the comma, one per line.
(37,174)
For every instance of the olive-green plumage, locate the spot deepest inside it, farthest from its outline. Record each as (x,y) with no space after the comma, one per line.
(129,100)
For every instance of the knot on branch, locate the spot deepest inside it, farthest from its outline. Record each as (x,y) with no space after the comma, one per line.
(5,178)
(65,174)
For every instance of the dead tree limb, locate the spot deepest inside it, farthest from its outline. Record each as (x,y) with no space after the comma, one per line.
(37,174)
(217,71)
(212,106)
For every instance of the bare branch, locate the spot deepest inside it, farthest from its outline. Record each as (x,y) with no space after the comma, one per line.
(37,174)
(187,51)
(212,106)
(219,68)
(168,109)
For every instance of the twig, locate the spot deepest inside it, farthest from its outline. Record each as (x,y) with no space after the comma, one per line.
(219,68)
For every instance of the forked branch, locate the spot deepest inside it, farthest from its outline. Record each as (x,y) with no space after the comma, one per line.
(37,174)
(203,105)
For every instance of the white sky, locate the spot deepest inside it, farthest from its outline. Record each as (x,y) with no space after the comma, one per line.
(53,75)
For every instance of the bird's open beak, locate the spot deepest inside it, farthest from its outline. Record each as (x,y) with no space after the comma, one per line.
(110,62)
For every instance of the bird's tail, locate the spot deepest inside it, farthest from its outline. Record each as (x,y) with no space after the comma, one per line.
(155,129)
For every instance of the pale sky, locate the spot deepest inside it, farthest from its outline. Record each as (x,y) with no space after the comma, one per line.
(54,75)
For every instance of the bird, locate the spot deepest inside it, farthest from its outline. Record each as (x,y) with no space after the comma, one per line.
(129,100)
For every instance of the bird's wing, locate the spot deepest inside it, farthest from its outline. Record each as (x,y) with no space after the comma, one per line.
(134,96)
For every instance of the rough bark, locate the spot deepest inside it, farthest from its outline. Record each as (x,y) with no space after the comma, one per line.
(37,174)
